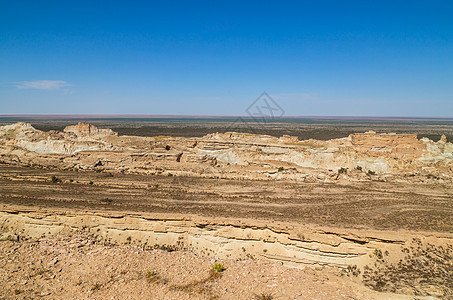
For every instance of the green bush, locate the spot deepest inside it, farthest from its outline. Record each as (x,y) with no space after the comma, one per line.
(55,179)
(342,170)
(218,267)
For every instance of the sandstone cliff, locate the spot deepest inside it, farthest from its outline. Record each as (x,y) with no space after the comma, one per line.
(23,136)
(86,129)
(361,156)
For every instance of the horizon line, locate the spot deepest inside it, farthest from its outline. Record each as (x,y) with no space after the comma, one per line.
(161,116)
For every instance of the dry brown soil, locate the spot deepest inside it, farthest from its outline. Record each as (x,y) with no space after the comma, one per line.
(78,267)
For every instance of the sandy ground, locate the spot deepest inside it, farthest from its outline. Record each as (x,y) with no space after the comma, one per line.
(371,204)
(78,268)
(68,267)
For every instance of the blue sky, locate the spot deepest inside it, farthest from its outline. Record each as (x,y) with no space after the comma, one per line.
(322,58)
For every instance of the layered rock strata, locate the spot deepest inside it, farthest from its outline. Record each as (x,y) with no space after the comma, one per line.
(361,156)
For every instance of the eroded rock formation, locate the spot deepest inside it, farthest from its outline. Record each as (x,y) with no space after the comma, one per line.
(361,156)
(86,129)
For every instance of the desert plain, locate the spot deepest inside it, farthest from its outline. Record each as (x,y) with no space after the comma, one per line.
(221,210)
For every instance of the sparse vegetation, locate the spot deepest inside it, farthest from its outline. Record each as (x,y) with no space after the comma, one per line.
(378,253)
(41,271)
(168,248)
(342,170)
(55,179)
(425,270)
(91,182)
(359,168)
(264,296)
(96,286)
(281,169)
(106,200)
(199,286)
(352,270)
(152,276)
(218,267)
(371,172)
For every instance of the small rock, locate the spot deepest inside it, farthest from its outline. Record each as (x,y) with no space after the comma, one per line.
(9,236)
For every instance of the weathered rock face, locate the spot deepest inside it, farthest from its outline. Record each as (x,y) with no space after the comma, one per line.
(380,153)
(291,244)
(232,155)
(396,146)
(25,137)
(86,129)
(17,131)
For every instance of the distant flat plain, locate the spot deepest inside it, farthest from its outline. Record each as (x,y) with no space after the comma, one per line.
(322,128)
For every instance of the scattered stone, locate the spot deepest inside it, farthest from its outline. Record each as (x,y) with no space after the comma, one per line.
(9,236)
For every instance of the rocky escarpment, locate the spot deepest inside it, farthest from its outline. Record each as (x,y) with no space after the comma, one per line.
(292,244)
(382,153)
(21,139)
(289,245)
(361,156)
(400,257)
(86,129)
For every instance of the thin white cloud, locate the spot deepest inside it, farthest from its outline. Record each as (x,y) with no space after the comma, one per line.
(42,84)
